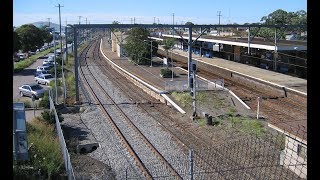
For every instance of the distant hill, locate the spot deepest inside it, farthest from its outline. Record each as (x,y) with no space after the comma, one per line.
(53,25)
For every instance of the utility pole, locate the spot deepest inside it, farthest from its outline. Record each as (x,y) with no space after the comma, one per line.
(134,20)
(80,31)
(55,68)
(275,50)
(172,23)
(49,28)
(49,21)
(131,20)
(158,21)
(60,26)
(219,20)
(151,51)
(173,18)
(61,47)
(79,18)
(154,20)
(86,21)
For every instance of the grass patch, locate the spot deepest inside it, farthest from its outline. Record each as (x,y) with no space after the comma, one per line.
(248,125)
(201,97)
(183,98)
(71,88)
(19,66)
(201,122)
(231,112)
(45,157)
(218,102)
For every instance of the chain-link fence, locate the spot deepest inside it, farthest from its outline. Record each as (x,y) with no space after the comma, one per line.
(279,155)
(66,155)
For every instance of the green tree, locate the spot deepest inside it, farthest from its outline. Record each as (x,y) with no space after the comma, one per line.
(16,42)
(282,17)
(136,46)
(30,36)
(189,23)
(45,33)
(116,29)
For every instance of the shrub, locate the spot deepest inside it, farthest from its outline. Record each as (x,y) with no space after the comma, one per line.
(48,116)
(58,70)
(166,73)
(44,102)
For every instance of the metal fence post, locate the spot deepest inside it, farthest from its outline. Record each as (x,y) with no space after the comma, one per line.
(191,164)
(126,173)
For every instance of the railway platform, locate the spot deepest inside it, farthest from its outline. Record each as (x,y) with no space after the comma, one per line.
(290,82)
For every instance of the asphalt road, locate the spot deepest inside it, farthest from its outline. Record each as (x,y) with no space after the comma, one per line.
(26,76)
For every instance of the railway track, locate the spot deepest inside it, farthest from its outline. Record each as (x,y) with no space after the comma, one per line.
(144,153)
(218,166)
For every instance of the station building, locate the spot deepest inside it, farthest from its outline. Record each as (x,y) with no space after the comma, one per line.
(284,56)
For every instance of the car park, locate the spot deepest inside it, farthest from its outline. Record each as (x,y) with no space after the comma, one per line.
(31,90)
(44,79)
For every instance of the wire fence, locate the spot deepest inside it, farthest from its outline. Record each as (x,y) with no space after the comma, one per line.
(274,156)
(66,155)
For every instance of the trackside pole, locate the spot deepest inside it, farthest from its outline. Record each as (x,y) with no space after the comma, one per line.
(258,108)
(191,164)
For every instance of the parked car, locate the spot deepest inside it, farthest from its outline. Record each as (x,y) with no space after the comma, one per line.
(48,65)
(43,68)
(44,79)
(37,73)
(48,60)
(31,90)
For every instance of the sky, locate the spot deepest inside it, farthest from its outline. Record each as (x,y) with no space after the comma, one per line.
(149,11)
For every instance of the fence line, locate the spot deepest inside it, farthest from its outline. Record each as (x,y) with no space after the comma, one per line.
(273,156)
(66,155)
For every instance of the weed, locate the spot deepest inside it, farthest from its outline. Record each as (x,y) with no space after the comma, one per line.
(45,158)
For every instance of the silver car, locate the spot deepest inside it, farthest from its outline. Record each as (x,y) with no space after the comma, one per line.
(31,90)
(44,79)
